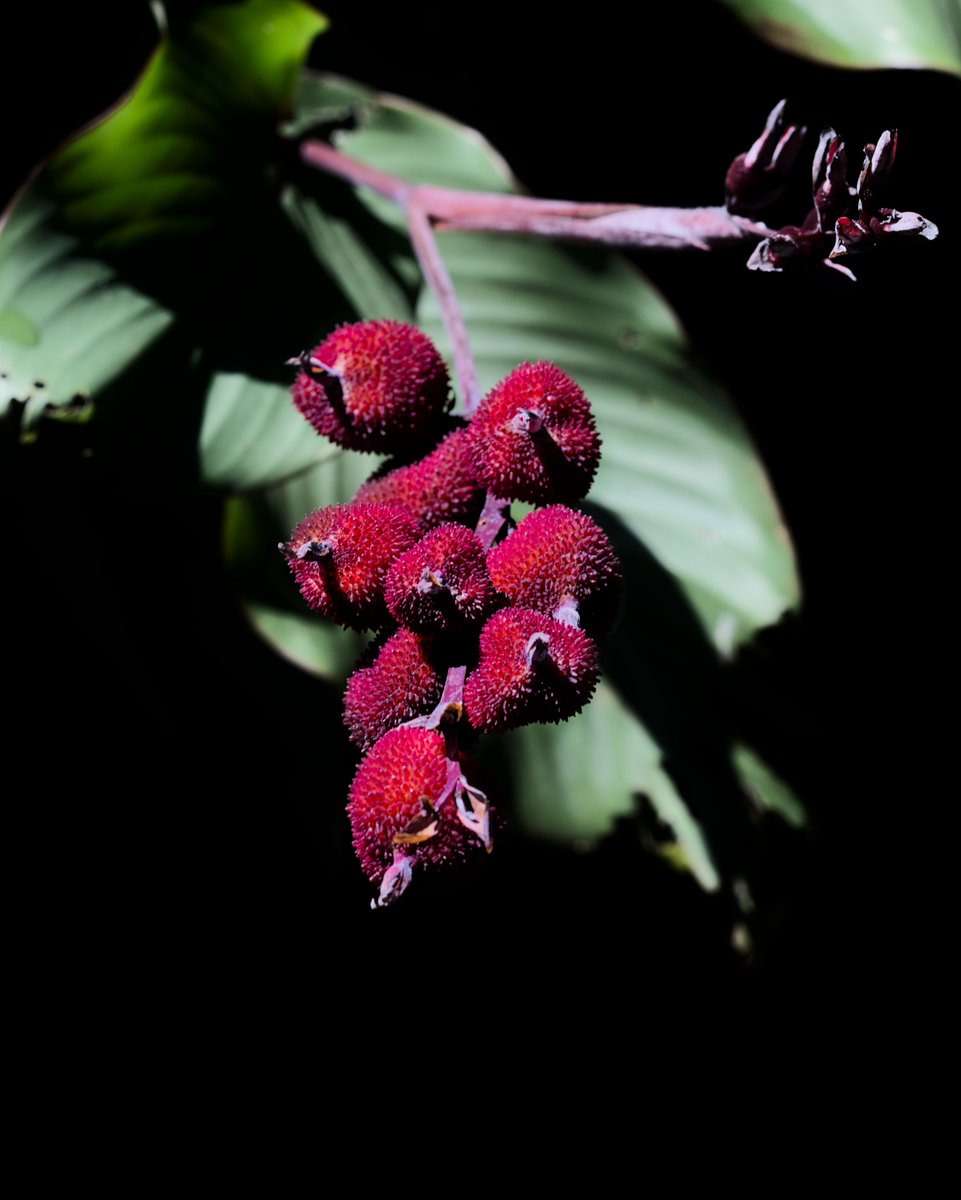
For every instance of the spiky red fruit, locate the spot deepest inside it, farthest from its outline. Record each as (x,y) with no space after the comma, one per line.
(441,487)
(441,584)
(340,554)
(560,562)
(402,804)
(401,683)
(531,669)
(376,386)
(534,437)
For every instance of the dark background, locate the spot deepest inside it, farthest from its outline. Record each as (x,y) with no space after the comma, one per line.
(183,837)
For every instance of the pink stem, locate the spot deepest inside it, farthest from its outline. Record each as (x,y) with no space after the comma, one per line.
(326,158)
(608,224)
(491,521)
(638,226)
(436,273)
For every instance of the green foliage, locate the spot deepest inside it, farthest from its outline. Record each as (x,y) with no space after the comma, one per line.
(861,33)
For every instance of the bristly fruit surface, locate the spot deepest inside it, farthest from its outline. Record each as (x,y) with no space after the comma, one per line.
(339,556)
(534,437)
(532,669)
(441,584)
(441,487)
(400,804)
(378,386)
(558,561)
(402,682)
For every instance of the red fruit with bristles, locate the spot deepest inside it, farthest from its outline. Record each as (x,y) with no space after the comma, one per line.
(441,487)
(376,386)
(532,669)
(340,555)
(402,805)
(560,562)
(402,682)
(534,437)
(441,585)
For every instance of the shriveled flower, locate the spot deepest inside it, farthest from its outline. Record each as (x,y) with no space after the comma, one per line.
(756,178)
(844,220)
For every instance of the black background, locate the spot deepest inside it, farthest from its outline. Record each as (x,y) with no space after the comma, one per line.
(183,841)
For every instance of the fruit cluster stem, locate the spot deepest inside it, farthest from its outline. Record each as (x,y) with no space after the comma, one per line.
(495,212)
(436,208)
(438,277)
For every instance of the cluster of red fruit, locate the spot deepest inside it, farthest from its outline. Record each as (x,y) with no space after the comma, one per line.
(482,625)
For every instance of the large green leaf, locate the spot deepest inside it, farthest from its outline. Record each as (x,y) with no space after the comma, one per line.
(861,33)
(153,212)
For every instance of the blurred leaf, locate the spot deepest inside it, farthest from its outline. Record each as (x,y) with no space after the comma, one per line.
(68,326)
(333,481)
(252,435)
(573,781)
(317,646)
(157,209)
(766,789)
(271,600)
(861,33)
(195,140)
(365,276)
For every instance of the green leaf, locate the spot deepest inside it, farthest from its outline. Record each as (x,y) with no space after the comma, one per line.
(251,434)
(195,140)
(314,645)
(574,781)
(145,218)
(270,599)
(366,271)
(69,323)
(861,33)
(766,789)
(333,481)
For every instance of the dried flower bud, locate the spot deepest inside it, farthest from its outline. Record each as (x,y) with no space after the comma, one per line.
(756,178)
